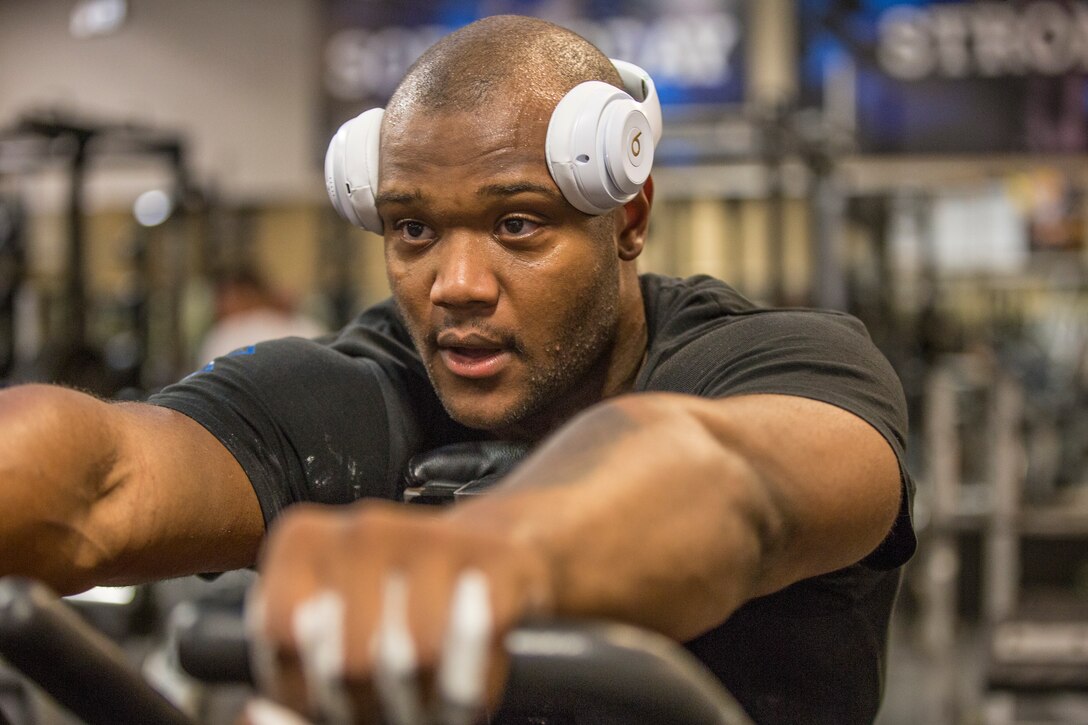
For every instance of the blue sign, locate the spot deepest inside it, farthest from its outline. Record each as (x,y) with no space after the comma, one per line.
(693,50)
(950,76)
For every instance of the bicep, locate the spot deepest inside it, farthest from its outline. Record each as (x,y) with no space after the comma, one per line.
(178,502)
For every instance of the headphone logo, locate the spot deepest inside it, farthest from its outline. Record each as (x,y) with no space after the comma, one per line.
(636,144)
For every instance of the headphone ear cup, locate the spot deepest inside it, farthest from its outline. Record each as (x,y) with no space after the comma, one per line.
(599,147)
(629,146)
(351,170)
(336,180)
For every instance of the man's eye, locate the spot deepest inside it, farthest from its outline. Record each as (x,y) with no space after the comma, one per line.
(414,231)
(517,227)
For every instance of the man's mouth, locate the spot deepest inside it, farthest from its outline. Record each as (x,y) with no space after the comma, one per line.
(472,355)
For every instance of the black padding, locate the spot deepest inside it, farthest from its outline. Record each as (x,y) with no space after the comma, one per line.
(460,470)
(82,670)
(596,669)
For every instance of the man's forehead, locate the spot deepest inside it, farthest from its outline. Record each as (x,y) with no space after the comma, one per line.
(470,156)
(496,133)
(492,150)
(514,110)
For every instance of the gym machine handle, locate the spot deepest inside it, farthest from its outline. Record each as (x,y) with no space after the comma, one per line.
(555,667)
(83,670)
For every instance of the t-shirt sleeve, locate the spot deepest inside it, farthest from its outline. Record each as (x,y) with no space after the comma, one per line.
(818,355)
(304,421)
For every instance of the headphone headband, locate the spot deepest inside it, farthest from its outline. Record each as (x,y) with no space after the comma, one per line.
(640,86)
(599,149)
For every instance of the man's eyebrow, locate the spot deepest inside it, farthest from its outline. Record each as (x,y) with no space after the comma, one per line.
(398,197)
(525,187)
(518,188)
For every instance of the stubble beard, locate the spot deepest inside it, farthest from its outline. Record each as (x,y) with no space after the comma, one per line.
(569,374)
(561,375)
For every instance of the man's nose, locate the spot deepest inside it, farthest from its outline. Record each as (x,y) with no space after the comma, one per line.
(465,277)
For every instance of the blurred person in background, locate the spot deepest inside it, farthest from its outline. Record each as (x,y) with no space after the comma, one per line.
(248,311)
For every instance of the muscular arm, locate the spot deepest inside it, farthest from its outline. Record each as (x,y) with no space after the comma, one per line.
(660,510)
(99,493)
(671,511)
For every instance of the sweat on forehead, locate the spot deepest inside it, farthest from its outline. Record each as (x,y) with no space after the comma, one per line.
(466,68)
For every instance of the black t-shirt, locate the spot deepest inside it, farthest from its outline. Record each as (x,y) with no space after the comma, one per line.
(335,420)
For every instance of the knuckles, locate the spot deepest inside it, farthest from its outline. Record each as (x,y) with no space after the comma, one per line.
(354,552)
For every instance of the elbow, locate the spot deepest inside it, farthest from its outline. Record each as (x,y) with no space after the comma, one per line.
(57,470)
(69,561)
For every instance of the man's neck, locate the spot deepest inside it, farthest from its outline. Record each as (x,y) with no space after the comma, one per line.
(629,351)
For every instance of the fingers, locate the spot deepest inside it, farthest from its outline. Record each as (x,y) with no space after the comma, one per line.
(463,670)
(275,654)
(262,656)
(319,636)
(260,711)
(392,613)
(319,633)
(396,674)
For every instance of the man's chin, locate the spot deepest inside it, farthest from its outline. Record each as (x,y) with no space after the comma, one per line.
(518,421)
(497,405)
(480,418)
(496,414)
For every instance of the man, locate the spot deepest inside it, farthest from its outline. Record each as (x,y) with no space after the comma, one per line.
(727,475)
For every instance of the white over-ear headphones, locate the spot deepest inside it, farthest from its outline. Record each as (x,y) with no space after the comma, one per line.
(599,149)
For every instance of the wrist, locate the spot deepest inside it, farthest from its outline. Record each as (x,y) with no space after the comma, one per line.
(503,518)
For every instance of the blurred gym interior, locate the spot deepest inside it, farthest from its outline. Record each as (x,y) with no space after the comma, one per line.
(921,165)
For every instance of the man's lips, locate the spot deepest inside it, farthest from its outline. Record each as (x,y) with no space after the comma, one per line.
(472,355)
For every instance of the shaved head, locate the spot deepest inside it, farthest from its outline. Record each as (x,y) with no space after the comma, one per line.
(523,308)
(472,66)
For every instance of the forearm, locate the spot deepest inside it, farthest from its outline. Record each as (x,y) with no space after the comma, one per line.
(641,509)
(670,511)
(56,453)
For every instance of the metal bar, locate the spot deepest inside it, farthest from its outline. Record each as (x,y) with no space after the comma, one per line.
(75,664)
(1001,544)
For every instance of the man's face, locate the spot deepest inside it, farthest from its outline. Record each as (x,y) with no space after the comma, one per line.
(510,294)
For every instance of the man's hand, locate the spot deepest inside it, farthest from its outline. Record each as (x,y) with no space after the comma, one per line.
(385,608)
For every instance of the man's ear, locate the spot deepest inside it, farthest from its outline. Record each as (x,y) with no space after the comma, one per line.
(634,222)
